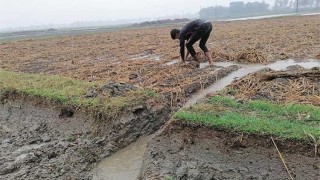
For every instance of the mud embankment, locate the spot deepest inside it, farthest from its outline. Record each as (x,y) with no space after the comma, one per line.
(190,152)
(43,142)
(186,151)
(113,167)
(47,142)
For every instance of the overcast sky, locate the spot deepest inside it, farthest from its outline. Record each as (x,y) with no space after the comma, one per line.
(21,13)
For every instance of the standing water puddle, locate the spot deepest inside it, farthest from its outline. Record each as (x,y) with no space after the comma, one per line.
(126,163)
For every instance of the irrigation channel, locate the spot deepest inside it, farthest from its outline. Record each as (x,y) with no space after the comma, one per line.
(126,163)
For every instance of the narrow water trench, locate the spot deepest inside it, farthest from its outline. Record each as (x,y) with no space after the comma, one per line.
(126,163)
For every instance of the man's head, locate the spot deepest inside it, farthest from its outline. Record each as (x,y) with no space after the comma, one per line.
(175,33)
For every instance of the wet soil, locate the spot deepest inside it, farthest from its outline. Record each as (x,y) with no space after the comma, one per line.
(43,143)
(108,55)
(40,141)
(50,143)
(193,152)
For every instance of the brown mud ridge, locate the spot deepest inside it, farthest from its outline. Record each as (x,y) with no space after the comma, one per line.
(188,151)
(50,142)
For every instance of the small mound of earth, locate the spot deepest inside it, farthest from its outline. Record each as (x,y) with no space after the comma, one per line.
(112,88)
(265,70)
(295,68)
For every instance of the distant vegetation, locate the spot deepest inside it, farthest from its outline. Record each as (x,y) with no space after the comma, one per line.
(52,30)
(242,9)
(161,22)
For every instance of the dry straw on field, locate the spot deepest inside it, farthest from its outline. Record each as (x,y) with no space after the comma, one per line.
(289,87)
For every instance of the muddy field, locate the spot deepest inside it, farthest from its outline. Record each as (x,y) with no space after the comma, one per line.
(185,151)
(140,55)
(45,141)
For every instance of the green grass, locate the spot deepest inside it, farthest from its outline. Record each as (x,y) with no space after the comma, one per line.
(68,92)
(70,138)
(290,121)
(169,178)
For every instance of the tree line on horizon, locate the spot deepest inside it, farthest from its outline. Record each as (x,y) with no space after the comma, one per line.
(242,9)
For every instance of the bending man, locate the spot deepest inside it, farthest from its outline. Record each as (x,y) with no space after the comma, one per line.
(192,32)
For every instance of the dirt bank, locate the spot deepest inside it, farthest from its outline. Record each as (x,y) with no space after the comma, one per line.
(39,140)
(50,143)
(190,152)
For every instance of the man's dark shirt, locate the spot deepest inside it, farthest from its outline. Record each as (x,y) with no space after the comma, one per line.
(186,32)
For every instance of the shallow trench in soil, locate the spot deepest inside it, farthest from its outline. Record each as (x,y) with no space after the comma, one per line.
(127,163)
(47,141)
(38,143)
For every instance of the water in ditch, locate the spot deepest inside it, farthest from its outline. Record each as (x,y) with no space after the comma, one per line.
(126,163)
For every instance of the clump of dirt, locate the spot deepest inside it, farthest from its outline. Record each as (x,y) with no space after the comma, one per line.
(185,151)
(112,88)
(117,89)
(297,85)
